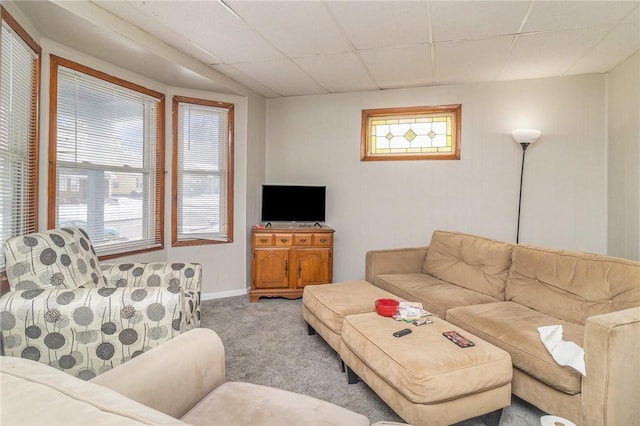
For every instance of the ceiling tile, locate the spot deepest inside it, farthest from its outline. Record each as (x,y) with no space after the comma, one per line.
(281,76)
(399,67)
(483,60)
(633,17)
(234,73)
(559,15)
(296,28)
(341,72)
(618,45)
(341,45)
(373,24)
(84,37)
(476,19)
(127,11)
(549,54)
(208,25)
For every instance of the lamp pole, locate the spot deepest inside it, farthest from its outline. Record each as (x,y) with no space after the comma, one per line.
(524,137)
(524,151)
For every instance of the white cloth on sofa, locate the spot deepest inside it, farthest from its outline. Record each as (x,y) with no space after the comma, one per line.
(562,351)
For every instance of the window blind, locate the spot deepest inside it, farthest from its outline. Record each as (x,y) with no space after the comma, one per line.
(108,162)
(202,172)
(19,74)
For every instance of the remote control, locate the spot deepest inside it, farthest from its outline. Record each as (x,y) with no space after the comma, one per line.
(402,332)
(458,339)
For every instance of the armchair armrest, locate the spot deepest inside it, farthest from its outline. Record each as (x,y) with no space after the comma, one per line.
(154,274)
(394,261)
(185,277)
(611,390)
(174,377)
(87,331)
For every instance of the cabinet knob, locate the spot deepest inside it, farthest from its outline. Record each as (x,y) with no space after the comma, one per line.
(323,240)
(263,240)
(283,240)
(303,240)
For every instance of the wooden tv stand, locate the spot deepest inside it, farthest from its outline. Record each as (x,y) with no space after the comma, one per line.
(286,258)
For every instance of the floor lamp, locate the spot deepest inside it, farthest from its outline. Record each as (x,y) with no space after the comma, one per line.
(524,137)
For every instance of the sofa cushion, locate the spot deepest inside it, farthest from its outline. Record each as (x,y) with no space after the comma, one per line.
(236,403)
(437,296)
(473,262)
(63,399)
(61,258)
(572,285)
(514,328)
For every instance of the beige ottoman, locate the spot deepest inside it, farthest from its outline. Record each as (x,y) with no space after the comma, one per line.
(325,306)
(424,377)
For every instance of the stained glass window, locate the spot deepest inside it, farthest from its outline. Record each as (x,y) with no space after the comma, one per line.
(414,133)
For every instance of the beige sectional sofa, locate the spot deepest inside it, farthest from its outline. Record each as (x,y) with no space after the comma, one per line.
(503,292)
(179,382)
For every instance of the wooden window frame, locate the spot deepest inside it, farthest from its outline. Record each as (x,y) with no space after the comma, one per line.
(175,242)
(55,62)
(32,211)
(410,112)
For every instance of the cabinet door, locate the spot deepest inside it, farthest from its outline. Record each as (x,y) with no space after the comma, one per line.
(313,266)
(271,268)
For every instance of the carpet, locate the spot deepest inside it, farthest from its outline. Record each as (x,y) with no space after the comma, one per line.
(267,343)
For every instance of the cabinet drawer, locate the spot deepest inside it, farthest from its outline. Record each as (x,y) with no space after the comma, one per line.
(263,240)
(283,240)
(322,239)
(302,240)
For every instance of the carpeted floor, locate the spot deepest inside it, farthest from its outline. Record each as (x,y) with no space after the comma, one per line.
(267,343)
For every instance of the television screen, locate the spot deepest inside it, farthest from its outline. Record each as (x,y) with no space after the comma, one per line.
(293,203)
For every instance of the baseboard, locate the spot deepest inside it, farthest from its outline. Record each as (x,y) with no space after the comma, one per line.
(223,294)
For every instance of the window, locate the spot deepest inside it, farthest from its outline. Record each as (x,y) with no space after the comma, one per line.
(414,133)
(19,82)
(107,136)
(202,172)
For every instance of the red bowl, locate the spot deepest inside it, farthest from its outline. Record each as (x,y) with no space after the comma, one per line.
(387,307)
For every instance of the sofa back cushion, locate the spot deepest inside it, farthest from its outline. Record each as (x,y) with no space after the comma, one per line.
(473,262)
(572,285)
(62,258)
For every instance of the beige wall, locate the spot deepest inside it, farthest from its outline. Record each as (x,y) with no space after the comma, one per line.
(316,140)
(624,159)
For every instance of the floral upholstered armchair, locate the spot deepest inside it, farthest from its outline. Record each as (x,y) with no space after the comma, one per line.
(66,310)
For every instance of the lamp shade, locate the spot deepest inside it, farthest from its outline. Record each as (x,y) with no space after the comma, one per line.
(526,135)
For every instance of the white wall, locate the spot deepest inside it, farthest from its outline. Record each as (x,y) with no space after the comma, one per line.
(624,159)
(316,140)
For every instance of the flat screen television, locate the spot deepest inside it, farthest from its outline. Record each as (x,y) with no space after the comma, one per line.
(293,203)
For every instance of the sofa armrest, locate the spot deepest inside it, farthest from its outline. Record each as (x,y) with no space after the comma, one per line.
(173,377)
(394,261)
(611,387)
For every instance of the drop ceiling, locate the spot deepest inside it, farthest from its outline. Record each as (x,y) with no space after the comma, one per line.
(290,48)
